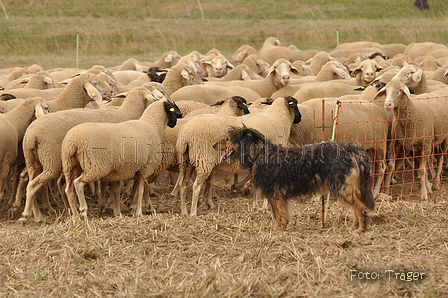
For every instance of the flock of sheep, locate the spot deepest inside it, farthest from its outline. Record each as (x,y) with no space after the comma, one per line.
(120,127)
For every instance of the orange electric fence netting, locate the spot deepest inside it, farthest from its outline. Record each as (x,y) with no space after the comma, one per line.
(395,149)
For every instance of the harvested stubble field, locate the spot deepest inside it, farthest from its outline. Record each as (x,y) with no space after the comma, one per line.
(230,251)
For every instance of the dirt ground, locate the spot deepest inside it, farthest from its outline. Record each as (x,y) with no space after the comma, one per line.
(229,251)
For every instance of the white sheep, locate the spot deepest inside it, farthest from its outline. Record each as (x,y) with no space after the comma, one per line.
(166,60)
(278,77)
(332,70)
(218,66)
(211,93)
(242,52)
(232,106)
(240,72)
(319,60)
(197,136)
(272,51)
(440,75)
(41,80)
(42,146)
(366,72)
(418,49)
(128,64)
(18,72)
(359,121)
(419,125)
(257,66)
(115,152)
(12,129)
(194,60)
(179,76)
(323,89)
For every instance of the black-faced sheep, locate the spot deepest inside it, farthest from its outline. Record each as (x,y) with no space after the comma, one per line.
(115,152)
(196,137)
(42,145)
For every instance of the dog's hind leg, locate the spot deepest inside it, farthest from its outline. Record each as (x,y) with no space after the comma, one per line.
(280,207)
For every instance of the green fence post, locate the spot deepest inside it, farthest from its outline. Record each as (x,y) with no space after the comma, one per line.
(337,37)
(4,10)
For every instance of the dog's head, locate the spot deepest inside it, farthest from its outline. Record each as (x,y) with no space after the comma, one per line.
(238,143)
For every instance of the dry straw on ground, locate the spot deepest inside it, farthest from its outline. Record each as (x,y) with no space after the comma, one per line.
(231,251)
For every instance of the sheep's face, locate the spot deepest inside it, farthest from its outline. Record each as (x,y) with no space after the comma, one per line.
(367,70)
(281,70)
(395,94)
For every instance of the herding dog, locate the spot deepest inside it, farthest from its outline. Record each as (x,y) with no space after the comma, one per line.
(281,173)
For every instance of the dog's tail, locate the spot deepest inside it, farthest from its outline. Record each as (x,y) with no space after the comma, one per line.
(365,181)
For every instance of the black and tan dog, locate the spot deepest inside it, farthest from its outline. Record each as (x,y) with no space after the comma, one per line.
(281,173)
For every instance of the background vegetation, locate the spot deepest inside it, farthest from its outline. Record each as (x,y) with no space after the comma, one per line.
(45,32)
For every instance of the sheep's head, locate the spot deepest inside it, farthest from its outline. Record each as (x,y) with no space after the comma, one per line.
(411,75)
(367,69)
(291,103)
(281,69)
(172,112)
(395,91)
(219,66)
(96,88)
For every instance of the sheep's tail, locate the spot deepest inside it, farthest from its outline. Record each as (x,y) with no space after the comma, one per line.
(365,181)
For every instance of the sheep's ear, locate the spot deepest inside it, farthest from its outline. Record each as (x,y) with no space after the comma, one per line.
(66,81)
(268,101)
(92,92)
(230,65)
(341,73)
(218,103)
(48,80)
(380,93)
(245,76)
(417,76)
(242,54)
(168,58)
(356,70)
(24,81)
(184,74)
(293,69)
(157,94)
(406,91)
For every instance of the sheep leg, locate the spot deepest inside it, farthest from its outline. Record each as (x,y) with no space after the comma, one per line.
(209,192)
(115,195)
(439,165)
(21,186)
(71,197)
(16,174)
(391,157)
(184,177)
(147,198)
(31,206)
(197,186)
(139,196)
(101,196)
(425,186)
(61,186)
(79,188)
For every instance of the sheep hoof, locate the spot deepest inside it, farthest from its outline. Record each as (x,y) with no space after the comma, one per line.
(12,212)
(23,220)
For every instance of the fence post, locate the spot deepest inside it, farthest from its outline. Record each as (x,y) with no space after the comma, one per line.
(77,49)
(4,10)
(337,37)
